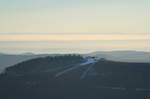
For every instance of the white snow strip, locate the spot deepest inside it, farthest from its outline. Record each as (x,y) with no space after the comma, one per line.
(86,71)
(89,61)
(65,71)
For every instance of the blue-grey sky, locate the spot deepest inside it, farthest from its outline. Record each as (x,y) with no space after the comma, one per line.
(75,16)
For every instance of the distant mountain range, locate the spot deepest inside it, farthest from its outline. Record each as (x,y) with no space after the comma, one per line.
(75,77)
(123,56)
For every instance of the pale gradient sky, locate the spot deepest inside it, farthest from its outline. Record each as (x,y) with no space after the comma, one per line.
(74,16)
(73,36)
(44,26)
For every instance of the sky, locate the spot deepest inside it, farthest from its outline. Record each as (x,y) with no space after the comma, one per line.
(74,16)
(16,43)
(74,25)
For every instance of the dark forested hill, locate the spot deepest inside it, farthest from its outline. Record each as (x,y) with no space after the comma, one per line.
(75,77)
(7,60)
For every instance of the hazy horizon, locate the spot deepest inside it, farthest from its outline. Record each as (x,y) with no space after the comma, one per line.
(72,42)
(74,26)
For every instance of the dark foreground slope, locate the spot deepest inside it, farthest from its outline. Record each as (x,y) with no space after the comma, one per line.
(38,79)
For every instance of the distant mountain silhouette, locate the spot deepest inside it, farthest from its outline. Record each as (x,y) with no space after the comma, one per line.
(123,56)
(75,77)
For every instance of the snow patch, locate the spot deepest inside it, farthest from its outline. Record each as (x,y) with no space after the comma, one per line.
(65,71)
(86,63)
(89,61)
(86,71)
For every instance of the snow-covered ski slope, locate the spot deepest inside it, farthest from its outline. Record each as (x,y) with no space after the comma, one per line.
(89,61)
(86,63)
